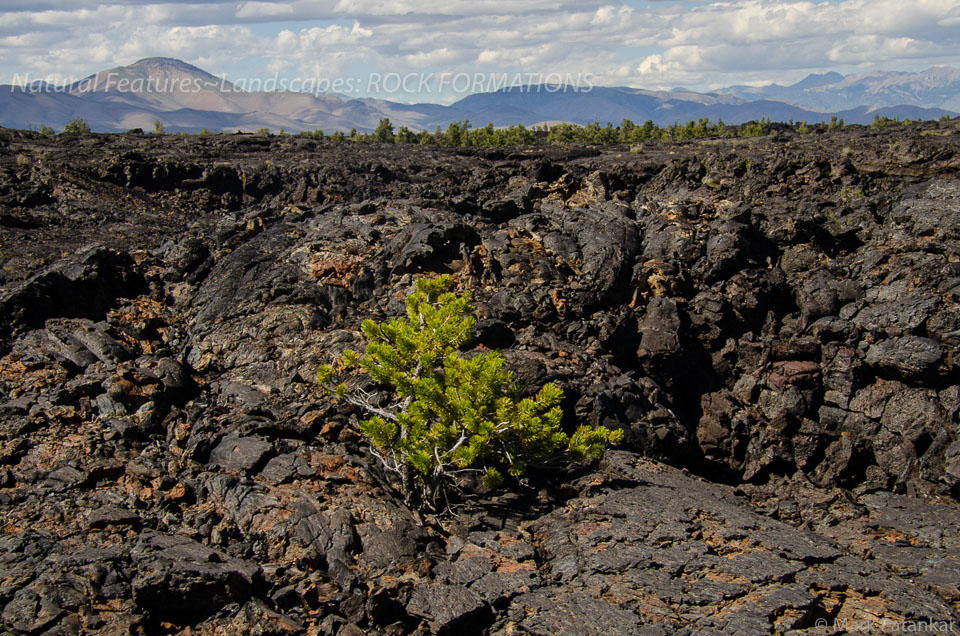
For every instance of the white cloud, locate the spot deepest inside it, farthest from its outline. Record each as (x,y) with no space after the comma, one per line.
(952,18)
(746,40)
(660,44)
(267,10)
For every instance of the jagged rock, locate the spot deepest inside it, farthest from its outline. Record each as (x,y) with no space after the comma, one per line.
(107,517)
(695,547)
(447,607)
(333,537)
(185,258)
(101,344)
(175,572)
(167,461)
(930,210)
(255,617)
(426,247)
(897,317)
(241,454)
(84,285)
(909,357)
(284,468)
(509,306)
(818,296)
(660,328)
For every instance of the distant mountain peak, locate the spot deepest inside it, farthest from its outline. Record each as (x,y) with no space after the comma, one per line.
(165,65)
(163,60)
(818,79)
(937,87)
(151,74)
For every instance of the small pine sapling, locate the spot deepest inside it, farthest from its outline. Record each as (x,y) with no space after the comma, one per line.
(77,125)
(448,416)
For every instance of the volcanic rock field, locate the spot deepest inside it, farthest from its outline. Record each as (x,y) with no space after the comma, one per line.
(774,323)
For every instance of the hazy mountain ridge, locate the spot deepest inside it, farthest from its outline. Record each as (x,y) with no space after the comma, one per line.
(937,87)
(186,98)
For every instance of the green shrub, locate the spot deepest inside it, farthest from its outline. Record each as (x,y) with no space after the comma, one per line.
(158,127)
(406,136)
(457,134)
(448,417)
(384,132)
(884,121)
(77,125)
(755,128)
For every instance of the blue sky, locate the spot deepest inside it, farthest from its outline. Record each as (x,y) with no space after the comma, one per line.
(648,44)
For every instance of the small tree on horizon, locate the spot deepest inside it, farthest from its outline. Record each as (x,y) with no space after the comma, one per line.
(406,136)
(77,125)
(384,131)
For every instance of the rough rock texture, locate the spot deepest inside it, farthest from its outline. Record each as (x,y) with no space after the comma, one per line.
(773,322)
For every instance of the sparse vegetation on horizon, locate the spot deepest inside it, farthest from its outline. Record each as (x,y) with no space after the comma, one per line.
(77,125)
(462,134)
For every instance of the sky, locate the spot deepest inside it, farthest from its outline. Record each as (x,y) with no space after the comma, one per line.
(437,50)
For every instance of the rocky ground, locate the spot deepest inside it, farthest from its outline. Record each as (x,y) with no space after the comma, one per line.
(774,322)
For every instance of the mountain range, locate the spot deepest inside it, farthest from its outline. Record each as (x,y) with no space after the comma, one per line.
(186,98)
(938,87)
